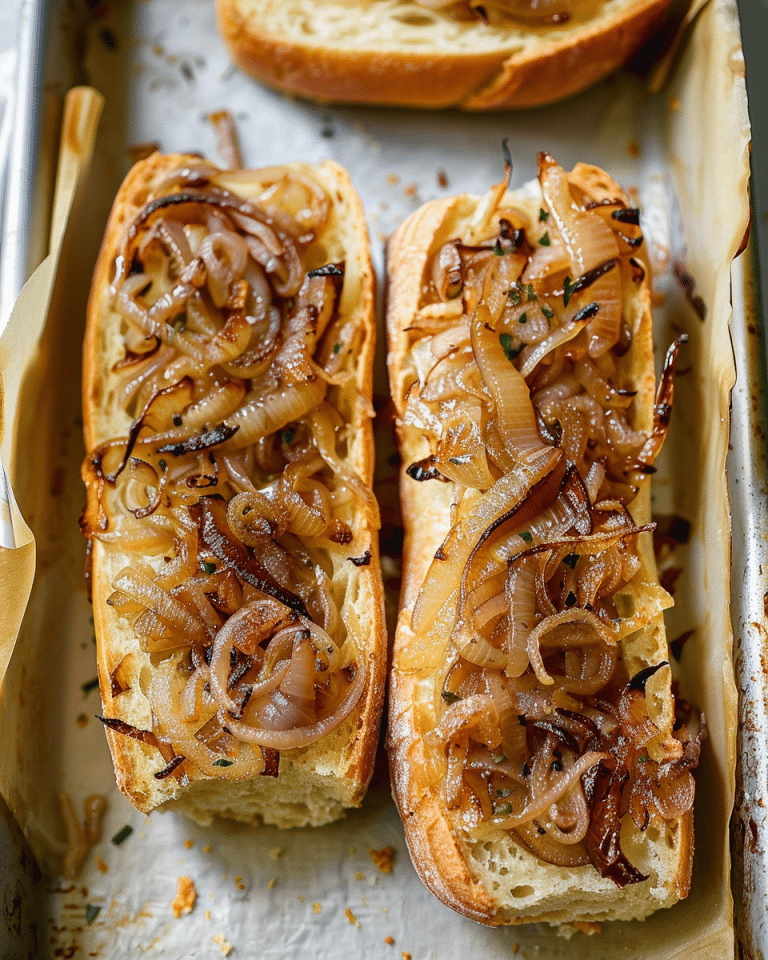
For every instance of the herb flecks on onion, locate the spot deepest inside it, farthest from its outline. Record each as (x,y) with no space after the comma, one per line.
(524,402)
(229,491)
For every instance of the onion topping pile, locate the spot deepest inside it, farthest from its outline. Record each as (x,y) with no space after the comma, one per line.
(532,13)
(530,413)
(230,492)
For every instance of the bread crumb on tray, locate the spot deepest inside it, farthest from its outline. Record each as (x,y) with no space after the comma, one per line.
(185,898)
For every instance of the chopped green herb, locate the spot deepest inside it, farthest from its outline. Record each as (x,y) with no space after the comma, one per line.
(514,294)
(571,559)
(543,215)
(497,249)
(288,436)
(503,809)
(499,758)
(449,697)
(336,347)
(122,835)
(163,465)
(525,536)
(523,318)
(91,912)
(531,292)
(545,241)
(507,342)
(90,685)
(568,288)
(548,313)
(221,762)
(209,566)
(644,759)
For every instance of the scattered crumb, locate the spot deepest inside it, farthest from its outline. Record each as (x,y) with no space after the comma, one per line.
(383,858)
(352,918)
(189,844)
(515,947)
(207,848)
(316,907)
(240,886)
(442,178)
(272,882)
(207,914)
(633,148)
(410,190)
(393,179)
(82,720)
(353,849)
(359,876)
(587,927)
(185,897)
(405,955)
(226,948)
(276,852)
(673,103)
(157,50)
(390,941)
(383,205)
(100,865)
(385,909)
(300,898)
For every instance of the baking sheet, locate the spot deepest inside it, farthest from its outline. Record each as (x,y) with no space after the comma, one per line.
(162,71)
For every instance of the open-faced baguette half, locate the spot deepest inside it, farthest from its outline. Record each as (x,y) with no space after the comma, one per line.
(235,579)
(434,55)
(536,759)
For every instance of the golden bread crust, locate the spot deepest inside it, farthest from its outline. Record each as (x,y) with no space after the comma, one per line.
(444,853)
(507,73)
(334,772)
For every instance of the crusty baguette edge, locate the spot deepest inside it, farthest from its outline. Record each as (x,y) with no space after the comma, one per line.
(317,781)
(461,869)
(514,68)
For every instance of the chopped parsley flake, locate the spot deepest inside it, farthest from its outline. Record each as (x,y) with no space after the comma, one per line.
(548,313)
(288,436)
(571,559)
(221,762)
(543,215)
(91,912)
(503,809)
(499,758)
(163,465)
(525,536)
(545,241)
(507,342)
(122,835)
(209,566)
(90,685)
(514,294)
(497,249)
(644,759)
(568,289)
(449,697)
(531,292)
(336,347)
(523,318)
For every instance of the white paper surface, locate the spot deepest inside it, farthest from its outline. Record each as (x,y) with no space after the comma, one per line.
(166,72)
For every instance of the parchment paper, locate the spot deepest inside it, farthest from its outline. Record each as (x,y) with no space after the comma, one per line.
(317,893)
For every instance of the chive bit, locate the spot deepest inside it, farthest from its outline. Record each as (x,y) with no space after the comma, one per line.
(569,288)
(336,347)
(525,536)
(221,762)
(91,912)
(548,313)
(209,566)
(545,241)
(90,685)
(122,835)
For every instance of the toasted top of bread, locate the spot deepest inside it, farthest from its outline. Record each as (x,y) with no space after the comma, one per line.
(476,867)
(317,780)
(399,52)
